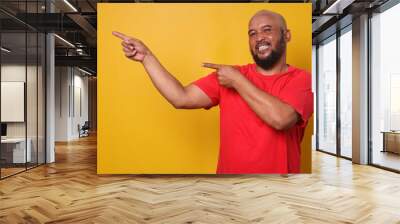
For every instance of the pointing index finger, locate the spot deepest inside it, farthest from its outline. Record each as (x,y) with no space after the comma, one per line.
(211,65)
(120,35)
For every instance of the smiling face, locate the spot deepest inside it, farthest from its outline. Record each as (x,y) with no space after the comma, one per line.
(267,38)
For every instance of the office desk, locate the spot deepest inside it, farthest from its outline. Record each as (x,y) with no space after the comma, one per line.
(15,148)
(391,141)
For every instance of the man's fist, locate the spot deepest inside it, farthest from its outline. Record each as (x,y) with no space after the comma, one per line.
(133,48)
(227,75)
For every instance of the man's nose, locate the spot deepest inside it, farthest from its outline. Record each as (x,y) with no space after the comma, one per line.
(260,37)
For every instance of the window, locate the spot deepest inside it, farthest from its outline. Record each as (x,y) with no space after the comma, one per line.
(314,85)
(327,95)
(346,92)
(385,89)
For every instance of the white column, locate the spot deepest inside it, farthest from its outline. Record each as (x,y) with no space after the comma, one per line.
(360,90)
(50,93)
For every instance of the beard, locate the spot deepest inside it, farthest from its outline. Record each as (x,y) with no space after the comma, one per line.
(273,57)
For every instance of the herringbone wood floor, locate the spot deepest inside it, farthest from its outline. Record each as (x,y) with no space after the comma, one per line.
(69,191)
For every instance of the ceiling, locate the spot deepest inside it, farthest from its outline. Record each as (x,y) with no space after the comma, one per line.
(76,22)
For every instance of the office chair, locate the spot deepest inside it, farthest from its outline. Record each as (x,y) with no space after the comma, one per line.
(84,130)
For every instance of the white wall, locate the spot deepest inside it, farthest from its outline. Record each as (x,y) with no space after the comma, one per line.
(80,84)
(13,72)
(62,80)
(12,101)
(71,93)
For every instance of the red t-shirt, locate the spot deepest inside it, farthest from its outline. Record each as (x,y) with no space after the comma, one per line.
(247,143)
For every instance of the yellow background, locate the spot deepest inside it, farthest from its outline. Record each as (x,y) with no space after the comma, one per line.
(138,131)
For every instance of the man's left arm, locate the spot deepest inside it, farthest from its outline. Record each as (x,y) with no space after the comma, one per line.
(270,109)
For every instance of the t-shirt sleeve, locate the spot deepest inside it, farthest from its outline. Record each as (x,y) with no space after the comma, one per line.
(210,86)
(298,94)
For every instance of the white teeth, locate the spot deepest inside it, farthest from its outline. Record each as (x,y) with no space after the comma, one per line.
(263,47)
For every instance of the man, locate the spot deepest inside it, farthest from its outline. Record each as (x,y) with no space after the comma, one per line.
(264,107)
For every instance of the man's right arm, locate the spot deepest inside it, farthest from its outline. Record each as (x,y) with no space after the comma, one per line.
(189,97)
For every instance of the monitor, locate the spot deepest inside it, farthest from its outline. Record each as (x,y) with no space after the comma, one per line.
(3,129)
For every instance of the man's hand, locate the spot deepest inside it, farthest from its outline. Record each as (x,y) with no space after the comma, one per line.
(133,48)
(189,97)
(227,75)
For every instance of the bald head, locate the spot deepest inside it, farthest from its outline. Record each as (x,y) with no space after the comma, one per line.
(271,16)
(268,36)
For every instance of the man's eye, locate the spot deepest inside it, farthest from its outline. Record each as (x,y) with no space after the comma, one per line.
(252,34)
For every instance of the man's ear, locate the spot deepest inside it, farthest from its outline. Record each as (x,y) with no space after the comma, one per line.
(288,35)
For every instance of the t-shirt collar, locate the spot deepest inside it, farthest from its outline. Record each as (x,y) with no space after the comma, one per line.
(254,70)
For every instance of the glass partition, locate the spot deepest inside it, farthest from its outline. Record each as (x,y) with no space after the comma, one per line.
(41,107)
(22,88)
(15,151)
(32,96)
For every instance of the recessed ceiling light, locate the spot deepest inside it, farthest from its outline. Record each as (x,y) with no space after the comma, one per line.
(5,50)
(84,71)
(338,6)
(64,40)
(70,5)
